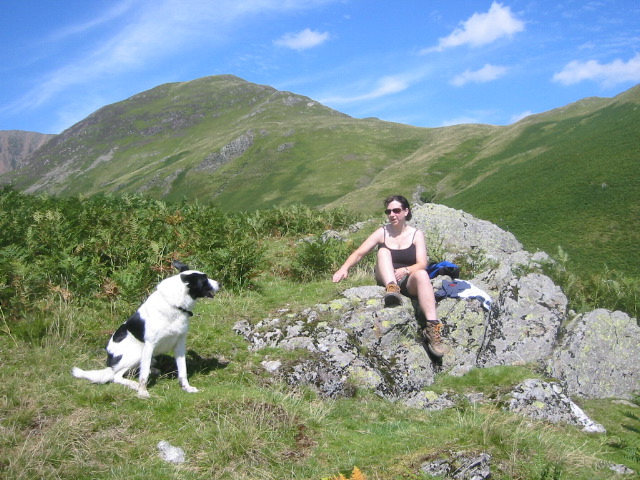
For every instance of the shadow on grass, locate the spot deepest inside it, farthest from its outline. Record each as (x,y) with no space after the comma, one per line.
(631,428)
(166,364)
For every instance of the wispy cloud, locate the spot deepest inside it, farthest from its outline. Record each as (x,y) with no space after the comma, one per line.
(607,74)
(114,11)
(463,120)
(485,74)
(154,30)
(481,29)
(302,40)
(385,86)
(519,116)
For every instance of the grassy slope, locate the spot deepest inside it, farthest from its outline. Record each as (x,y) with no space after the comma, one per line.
(243,426)
(578,192)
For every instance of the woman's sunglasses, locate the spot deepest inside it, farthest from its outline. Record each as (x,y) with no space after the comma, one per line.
(394,210)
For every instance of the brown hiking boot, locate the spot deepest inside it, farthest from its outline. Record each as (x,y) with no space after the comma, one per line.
(392,297)
(432,335)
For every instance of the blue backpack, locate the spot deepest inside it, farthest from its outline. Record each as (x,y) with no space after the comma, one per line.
(443,268)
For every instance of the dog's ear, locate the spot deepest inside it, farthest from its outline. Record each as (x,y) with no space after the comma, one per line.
(181,267)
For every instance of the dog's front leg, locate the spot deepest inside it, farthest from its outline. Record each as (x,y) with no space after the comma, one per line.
(180,352)
(145,368)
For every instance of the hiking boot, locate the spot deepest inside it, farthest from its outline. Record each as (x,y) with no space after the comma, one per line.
(392,297)
(432,336)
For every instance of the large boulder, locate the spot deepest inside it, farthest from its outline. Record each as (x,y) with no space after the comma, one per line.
(462,232)
(351,343)
(357,342)
(597,356)
(524,323)
(354,342)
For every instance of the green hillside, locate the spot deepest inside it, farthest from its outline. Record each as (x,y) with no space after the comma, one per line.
(579,191)
(567,177)
(219,139)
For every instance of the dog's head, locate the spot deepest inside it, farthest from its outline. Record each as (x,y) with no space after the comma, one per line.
(197,283)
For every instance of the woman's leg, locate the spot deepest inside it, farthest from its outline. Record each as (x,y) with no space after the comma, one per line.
(385,273)
(419,285)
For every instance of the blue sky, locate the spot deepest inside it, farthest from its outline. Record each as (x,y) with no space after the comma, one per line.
(428,63)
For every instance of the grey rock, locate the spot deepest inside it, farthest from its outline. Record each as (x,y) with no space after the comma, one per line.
(426,400)
(169,453)
(233,149)
(271,366)
(597,356)
(548,401)
(460,466)
(354,342)
(461,231)
(621,469)
(524,323)
(465,326)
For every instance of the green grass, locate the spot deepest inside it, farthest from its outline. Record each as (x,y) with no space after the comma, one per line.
(243,425)
(72,270)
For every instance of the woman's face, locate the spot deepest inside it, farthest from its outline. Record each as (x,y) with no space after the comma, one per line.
(396,212)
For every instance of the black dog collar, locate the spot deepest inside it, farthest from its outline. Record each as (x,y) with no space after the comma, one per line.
(185,311)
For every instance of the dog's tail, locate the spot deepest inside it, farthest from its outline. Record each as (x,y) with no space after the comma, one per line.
(96,376)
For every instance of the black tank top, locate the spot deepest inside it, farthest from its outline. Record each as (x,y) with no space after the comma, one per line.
(402,257)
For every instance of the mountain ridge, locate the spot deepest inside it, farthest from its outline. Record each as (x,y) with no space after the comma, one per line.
(230,142)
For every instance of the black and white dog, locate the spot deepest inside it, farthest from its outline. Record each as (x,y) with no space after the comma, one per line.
(158,326)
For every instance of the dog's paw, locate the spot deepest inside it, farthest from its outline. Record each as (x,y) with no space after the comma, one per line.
(143,393)
(190,389)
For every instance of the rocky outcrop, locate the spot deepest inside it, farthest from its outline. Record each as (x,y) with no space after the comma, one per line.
(354,342)
(232,150)
(16,145)
(548,401)
(597,355)
(462,232)
(460,466)
(524,324)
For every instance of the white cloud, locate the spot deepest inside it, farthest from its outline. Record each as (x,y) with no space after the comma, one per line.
(482,29)
(485,74)
(302,40)
(608,74)
(519,116)
(386,86)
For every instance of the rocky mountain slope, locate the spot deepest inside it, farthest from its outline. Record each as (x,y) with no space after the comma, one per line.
(17,145)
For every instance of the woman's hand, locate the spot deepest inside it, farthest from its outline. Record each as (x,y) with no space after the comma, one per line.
(341,274)
(401,273)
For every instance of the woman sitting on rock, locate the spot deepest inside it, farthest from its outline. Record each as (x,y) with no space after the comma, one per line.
(401,266)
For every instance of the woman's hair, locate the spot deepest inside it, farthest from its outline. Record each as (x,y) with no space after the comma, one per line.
(403,201)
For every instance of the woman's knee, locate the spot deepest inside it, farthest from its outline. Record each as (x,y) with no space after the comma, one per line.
(384,254)
(420,280)
(421,276)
